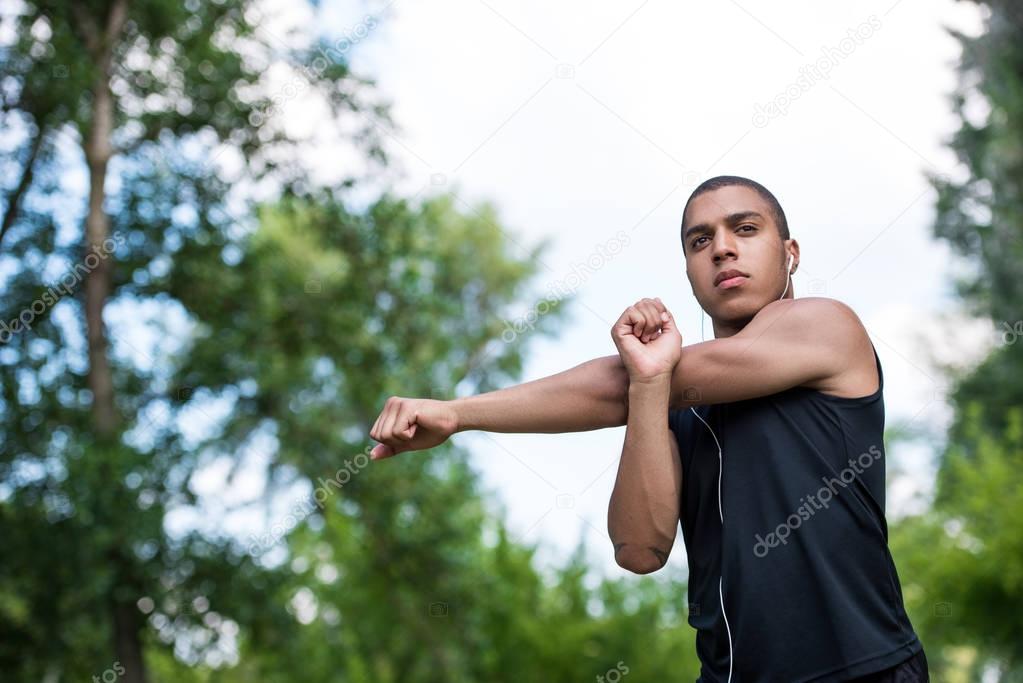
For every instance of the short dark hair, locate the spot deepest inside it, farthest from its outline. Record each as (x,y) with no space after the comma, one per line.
(728,180)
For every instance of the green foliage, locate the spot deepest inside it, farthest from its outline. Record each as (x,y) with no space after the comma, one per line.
(289,321)
(962,562)
(981,217)
(82,511)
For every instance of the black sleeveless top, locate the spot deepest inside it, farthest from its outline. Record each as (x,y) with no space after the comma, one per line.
(808,584)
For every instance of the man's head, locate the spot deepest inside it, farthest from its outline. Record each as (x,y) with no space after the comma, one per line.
(731,223)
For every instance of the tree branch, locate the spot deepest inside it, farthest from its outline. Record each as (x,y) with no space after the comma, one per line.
(101,45)
(14,198)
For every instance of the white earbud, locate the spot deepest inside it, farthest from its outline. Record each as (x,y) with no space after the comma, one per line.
(788,277)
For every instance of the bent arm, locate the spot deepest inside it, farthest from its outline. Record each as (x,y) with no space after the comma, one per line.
(794,342)
(787,343)
(643,513)
(592,395)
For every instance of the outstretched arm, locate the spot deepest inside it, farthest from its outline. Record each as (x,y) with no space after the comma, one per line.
(593,395)
(787,343)
(589,396)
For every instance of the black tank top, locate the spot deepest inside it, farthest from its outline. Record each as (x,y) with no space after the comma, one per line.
(808,584)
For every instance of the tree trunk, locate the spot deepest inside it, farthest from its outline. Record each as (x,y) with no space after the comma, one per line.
(127,642)
(98,260)
(97,281)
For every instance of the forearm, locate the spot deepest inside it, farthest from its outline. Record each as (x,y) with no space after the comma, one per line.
(643,512)
(592,395)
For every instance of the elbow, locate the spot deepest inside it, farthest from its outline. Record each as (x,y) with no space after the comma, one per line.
(617,395)
(639,559)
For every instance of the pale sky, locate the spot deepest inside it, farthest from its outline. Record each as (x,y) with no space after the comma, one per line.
(583,121)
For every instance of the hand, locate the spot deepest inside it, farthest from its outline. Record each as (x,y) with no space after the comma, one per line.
(412,424)
(648,341)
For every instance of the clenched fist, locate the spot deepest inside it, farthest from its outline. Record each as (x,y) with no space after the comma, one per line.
(648,340)
(412,424)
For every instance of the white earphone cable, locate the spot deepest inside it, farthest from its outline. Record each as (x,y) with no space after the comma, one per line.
(721,596)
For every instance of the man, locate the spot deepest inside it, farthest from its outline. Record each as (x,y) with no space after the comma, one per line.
(772,456)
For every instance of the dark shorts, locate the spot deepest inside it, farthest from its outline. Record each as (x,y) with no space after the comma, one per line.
(913,670)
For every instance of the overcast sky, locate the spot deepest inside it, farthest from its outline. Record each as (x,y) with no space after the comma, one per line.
(586,121)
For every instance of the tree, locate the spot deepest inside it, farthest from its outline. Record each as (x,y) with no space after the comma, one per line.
(960,560)
(279,326)
(980,216)
(327,313)
(131,85)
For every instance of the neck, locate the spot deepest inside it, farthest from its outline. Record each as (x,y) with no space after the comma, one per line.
(726,328)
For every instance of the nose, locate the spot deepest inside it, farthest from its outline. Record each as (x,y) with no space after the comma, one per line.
(724,245)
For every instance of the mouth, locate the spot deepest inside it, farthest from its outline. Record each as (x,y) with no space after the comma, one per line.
(730,278)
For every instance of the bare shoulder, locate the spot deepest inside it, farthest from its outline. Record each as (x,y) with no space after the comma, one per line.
(816,317)
(829,332)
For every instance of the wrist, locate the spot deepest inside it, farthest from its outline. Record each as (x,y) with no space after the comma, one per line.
(659,381)
(656,384)
(461,413)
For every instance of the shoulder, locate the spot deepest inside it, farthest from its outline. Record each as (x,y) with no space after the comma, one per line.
(824,336)
(811,308)
(818,320)
(830,332)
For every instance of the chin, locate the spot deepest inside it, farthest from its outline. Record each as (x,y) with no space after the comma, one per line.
(738,308)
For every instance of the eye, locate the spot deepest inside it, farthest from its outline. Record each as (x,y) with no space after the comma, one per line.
(747,225)
(696,242)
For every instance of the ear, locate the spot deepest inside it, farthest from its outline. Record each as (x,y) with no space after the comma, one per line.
(792,246)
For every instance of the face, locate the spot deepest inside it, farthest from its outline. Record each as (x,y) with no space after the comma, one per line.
(732,229)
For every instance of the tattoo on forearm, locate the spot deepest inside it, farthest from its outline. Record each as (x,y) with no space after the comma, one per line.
(661,555)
